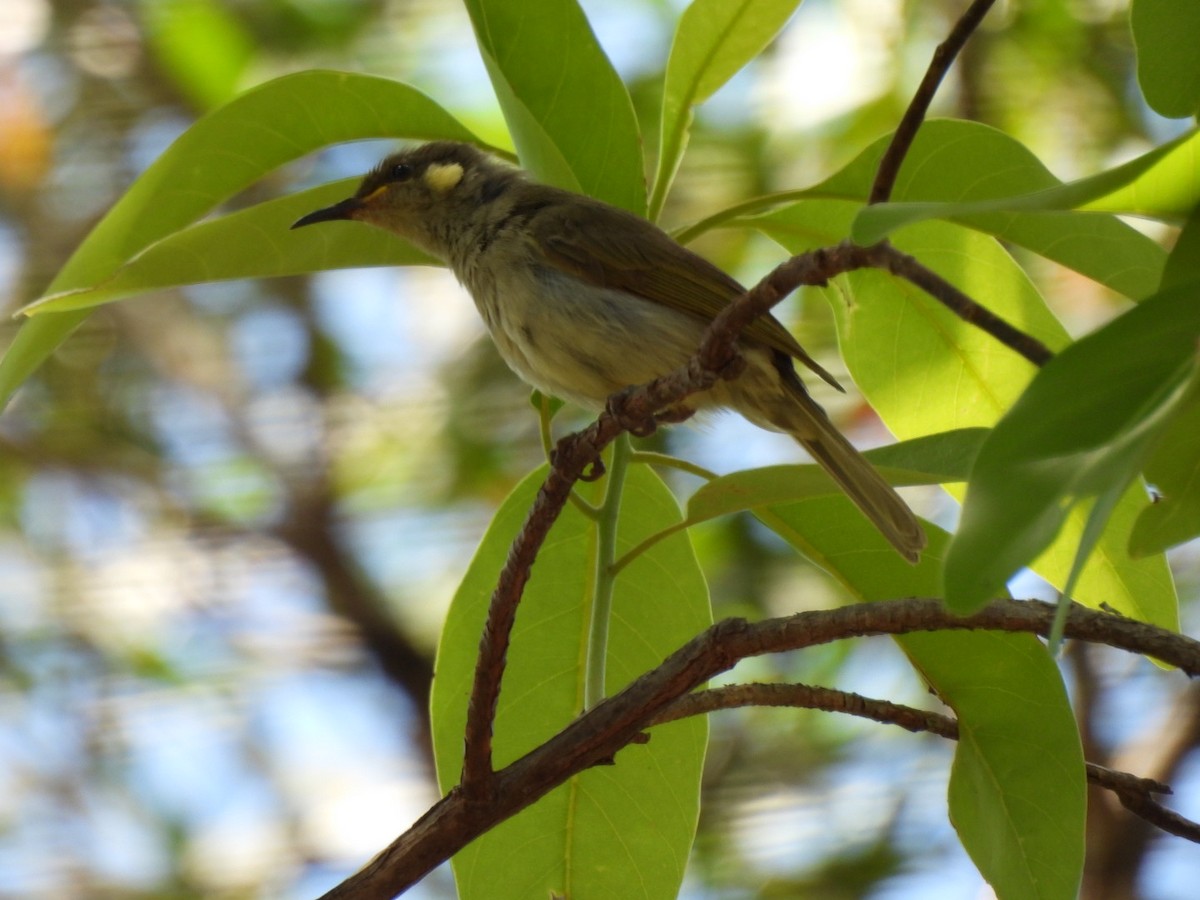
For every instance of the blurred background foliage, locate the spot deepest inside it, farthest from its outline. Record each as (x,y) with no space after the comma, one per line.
(231,516)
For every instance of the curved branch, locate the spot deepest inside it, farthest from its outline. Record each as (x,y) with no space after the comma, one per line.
(599,734)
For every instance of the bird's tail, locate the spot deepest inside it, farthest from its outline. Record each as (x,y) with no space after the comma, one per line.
(806,421)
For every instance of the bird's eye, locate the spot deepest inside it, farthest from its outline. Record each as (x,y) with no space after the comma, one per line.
(400,172)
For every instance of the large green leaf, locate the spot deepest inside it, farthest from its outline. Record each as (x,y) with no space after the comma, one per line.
(613,831)
(1017,788)
(252,243)
(1162,184)
(223,153)
(966,162)
(1078,436)
(714,39)
(1164,32)
(569,114)
(926,371)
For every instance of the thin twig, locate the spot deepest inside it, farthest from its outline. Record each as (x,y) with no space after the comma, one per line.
(1135,793)
(906,131)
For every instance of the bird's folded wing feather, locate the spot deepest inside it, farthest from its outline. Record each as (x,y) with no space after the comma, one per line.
(618,250)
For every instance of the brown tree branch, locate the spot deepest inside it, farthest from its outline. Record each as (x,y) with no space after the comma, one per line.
(600,733)
(906,131)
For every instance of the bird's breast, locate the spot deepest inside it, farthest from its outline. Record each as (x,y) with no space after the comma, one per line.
(574,340)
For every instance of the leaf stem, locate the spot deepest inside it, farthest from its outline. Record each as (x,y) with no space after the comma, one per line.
(650,458)
(606,576)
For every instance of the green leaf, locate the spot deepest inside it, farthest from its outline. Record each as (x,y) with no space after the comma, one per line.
(1164,32)
(570,116)
(925,371)
(1162,184)
(223,153)
(1017,788)
(253,243)
(944,165)
(713,41)
(613,831)
(1078,435)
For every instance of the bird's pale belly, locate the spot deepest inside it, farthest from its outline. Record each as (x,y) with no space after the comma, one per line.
(583,343)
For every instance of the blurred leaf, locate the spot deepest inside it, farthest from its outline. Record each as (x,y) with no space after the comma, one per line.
(1079,434)
(926,371)
(1162,184)
(1164,32)
(1017,788)
(253,243)
(613,831)
(570,116)
(714,40)
(220,155)
(201,45)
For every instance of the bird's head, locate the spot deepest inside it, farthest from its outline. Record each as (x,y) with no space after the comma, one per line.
(430,195)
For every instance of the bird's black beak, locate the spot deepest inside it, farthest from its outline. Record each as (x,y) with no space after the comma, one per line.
(343,210)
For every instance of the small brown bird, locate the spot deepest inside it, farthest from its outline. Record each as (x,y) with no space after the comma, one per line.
(584,299)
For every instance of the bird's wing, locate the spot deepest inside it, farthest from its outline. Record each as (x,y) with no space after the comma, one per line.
(616,249)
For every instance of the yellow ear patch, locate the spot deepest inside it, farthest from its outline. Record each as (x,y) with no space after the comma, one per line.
(442,177)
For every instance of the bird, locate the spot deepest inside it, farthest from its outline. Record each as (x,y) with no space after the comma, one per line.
(584,299)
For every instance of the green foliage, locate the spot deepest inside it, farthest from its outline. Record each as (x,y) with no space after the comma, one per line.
(612,831)
(1052,458)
